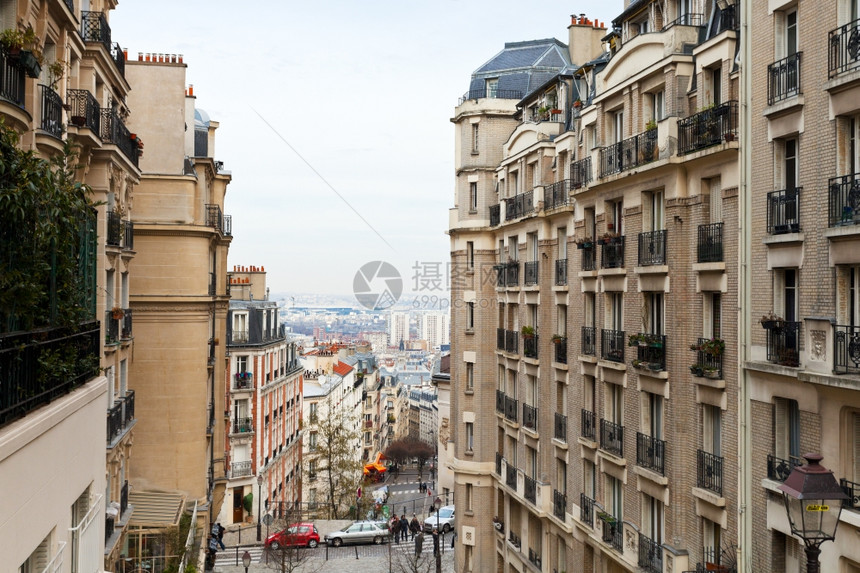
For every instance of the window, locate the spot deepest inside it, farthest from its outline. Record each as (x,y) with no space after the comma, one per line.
(39,558)
(473,196)
(711,541)
(615,310)
(618,126)
(614,215)
(492,88)
(589,478)
(713,314)
(715,199)
(475,132)
(786,429)
(312,441)
(561,233)
(654,302)
(561,322)
(653,413)
(614,497)
(470,315)
(654,220)
(470,255)
(790,163)
(588,392)
(531,462)
(470,376)
(712,429)
(652,518)
(561,475)
(468,497)
(791,32)
(470,436)
(658,110)
(614,404)
(716,81)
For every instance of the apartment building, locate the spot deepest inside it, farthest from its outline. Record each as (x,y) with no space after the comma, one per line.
(802,364)
(180,301)
(63,81)
(596,213)
(263,406)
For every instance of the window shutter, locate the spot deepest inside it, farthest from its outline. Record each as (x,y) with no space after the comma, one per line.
(780,428)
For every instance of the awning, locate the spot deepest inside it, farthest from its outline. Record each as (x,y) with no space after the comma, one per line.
(155,509)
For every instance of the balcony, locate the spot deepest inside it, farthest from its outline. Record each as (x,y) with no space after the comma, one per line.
(519,205)
(114,229)
(529,489)
(508,274)
(217,220)
(113,130)
(490,93)
(612,345)
(52,112)
(846,349)
(512,340)
(499,459)
(650,453)
(844,200)
(708,127)
(560,345)
(688,19)
(844,53)
(709,244)
(650,350)
(511,408)
(243,381)
(783,211)
(586,510)
(783,79)
(852,490)
(530,346)
(530,417)
(560,427)
(95,28)
(650,555)
(612,253)
(709,472)
(511,476)
(561,272)
(242,425)
(530,272)
(559,504)
(580,173)
(589,340)
(111,328)
(85,110)
(783,343)
(652,248)
(778,469)
(495,215)
(629,153)
(589,258)
(613,531)
(708,361)
(241,469)
(557,194)
(126,332)
(587,426)
(119,417)
(612,437)
(11,79)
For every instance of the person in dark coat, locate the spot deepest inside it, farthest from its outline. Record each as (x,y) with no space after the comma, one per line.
(435,542)
(414,526)
(419,543)
(395,529)
(404,528)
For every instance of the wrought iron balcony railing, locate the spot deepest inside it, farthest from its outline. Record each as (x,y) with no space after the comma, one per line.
(113,130)
(11,79)
(559,504)
(587,426)
(95,28)
(561,350)
(708,361)
(118,56)
(530,273)
(529,489)
(243,425)
(844,199)
(111,328)
(530,346)
(613,532)
(652,248)
(709,471)
(241,469)
(651,348)
(612,437)
(612,253)
(612,345)
(561,272)
(589,341)
(511,476)
(557,194)
(508,274)
(710,243)
(490,93)
(114,229)
(512,341)
(560,427)
(52,111)
(852,490)
(580,173)
(629,153)
(783,343)
(586,510)
(650,453)
(530,414)
(85,110)
(589,258)
(708,127)
(783,211)
(650,554)
(846,349)
(215,218)
(844,49)
(783,79)
(495,215)
(688,19)
(126,331)
(778,469)
(519,205)
(511,408)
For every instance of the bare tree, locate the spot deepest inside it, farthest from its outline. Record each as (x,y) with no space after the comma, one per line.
(288,557)
(408,448)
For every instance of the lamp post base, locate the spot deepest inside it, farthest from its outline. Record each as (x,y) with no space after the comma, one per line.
(812,553)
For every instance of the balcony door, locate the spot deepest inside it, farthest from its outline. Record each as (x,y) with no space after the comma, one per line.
(786,430)
(654,423)
(712,430)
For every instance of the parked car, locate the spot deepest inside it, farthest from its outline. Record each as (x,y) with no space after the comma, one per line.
(296,535)
(358,532)
(445,520)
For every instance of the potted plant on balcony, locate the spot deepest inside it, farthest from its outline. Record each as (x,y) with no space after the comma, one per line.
(651,125)
(117,313)
(584,242)
(637,339)
(23,47)
(528,331)
(697,370)
(56,71)
(771,321)
(543,112)
(557,338)
(711,372)
(714,346)
(578,103)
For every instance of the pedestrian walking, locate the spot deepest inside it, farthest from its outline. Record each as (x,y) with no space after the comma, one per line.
(435,542)
(414,526)
(218,531)
(395,529)
(419,543)
(404,528)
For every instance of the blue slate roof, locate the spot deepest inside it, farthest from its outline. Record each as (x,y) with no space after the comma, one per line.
(523,66)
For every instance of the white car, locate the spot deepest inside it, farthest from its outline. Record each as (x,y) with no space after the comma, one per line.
(445,520)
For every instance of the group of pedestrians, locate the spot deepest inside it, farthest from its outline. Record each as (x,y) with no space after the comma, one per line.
(216,539)
(402,528)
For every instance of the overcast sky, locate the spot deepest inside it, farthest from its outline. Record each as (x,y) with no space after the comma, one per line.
(363,91)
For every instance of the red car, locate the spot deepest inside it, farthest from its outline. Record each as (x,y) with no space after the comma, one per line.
(296,535)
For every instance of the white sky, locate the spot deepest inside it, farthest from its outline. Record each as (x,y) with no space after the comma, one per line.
(364,91)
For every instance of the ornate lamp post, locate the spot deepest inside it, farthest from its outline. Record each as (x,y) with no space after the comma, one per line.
(259,508)
(246,560)
(813,502)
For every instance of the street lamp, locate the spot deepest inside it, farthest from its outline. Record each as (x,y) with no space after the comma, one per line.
(246,560)
(259,504)
(437,503)
(813,501)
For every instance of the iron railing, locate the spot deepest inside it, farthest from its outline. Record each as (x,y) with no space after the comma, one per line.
(652,248)
(710,243)
(519,205)
(650,554)
(709,471)
(113,130)
(844,53)
(559,504)
(95,28)
(111,328)
(243,425)
(114,229)
(530,346)
(729,17)
(612,437)
(688,19)
(118,56)
(852,490)
(589,258)
(846,349)
(214,217)
(11,79)
(613,532)
(651,348)
(778,469)
(508,274)
(587,426)
(612,253)
(31,374)
(561,350)
(589,341)
(484,92)
(612,345)
(85,110)
(123,498)
(783,343)
(512,341)
(530,416)
(650,453)
(529,489)
(586,510)
(52,111)
(127,322)
(561,272)
(708,127)
(580,173)
(629,153)
(557,194)
(511,408)
(783,211)
(530,273)
(120,416)
(844,200)
(783,79)
(495,215)
(241,469)
(534,558)
(511,476)
(708,360)
(560,427)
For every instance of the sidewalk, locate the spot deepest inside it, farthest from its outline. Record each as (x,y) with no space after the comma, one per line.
(246,535)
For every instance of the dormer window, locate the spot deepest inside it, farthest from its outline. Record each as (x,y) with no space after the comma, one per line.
(492,88)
